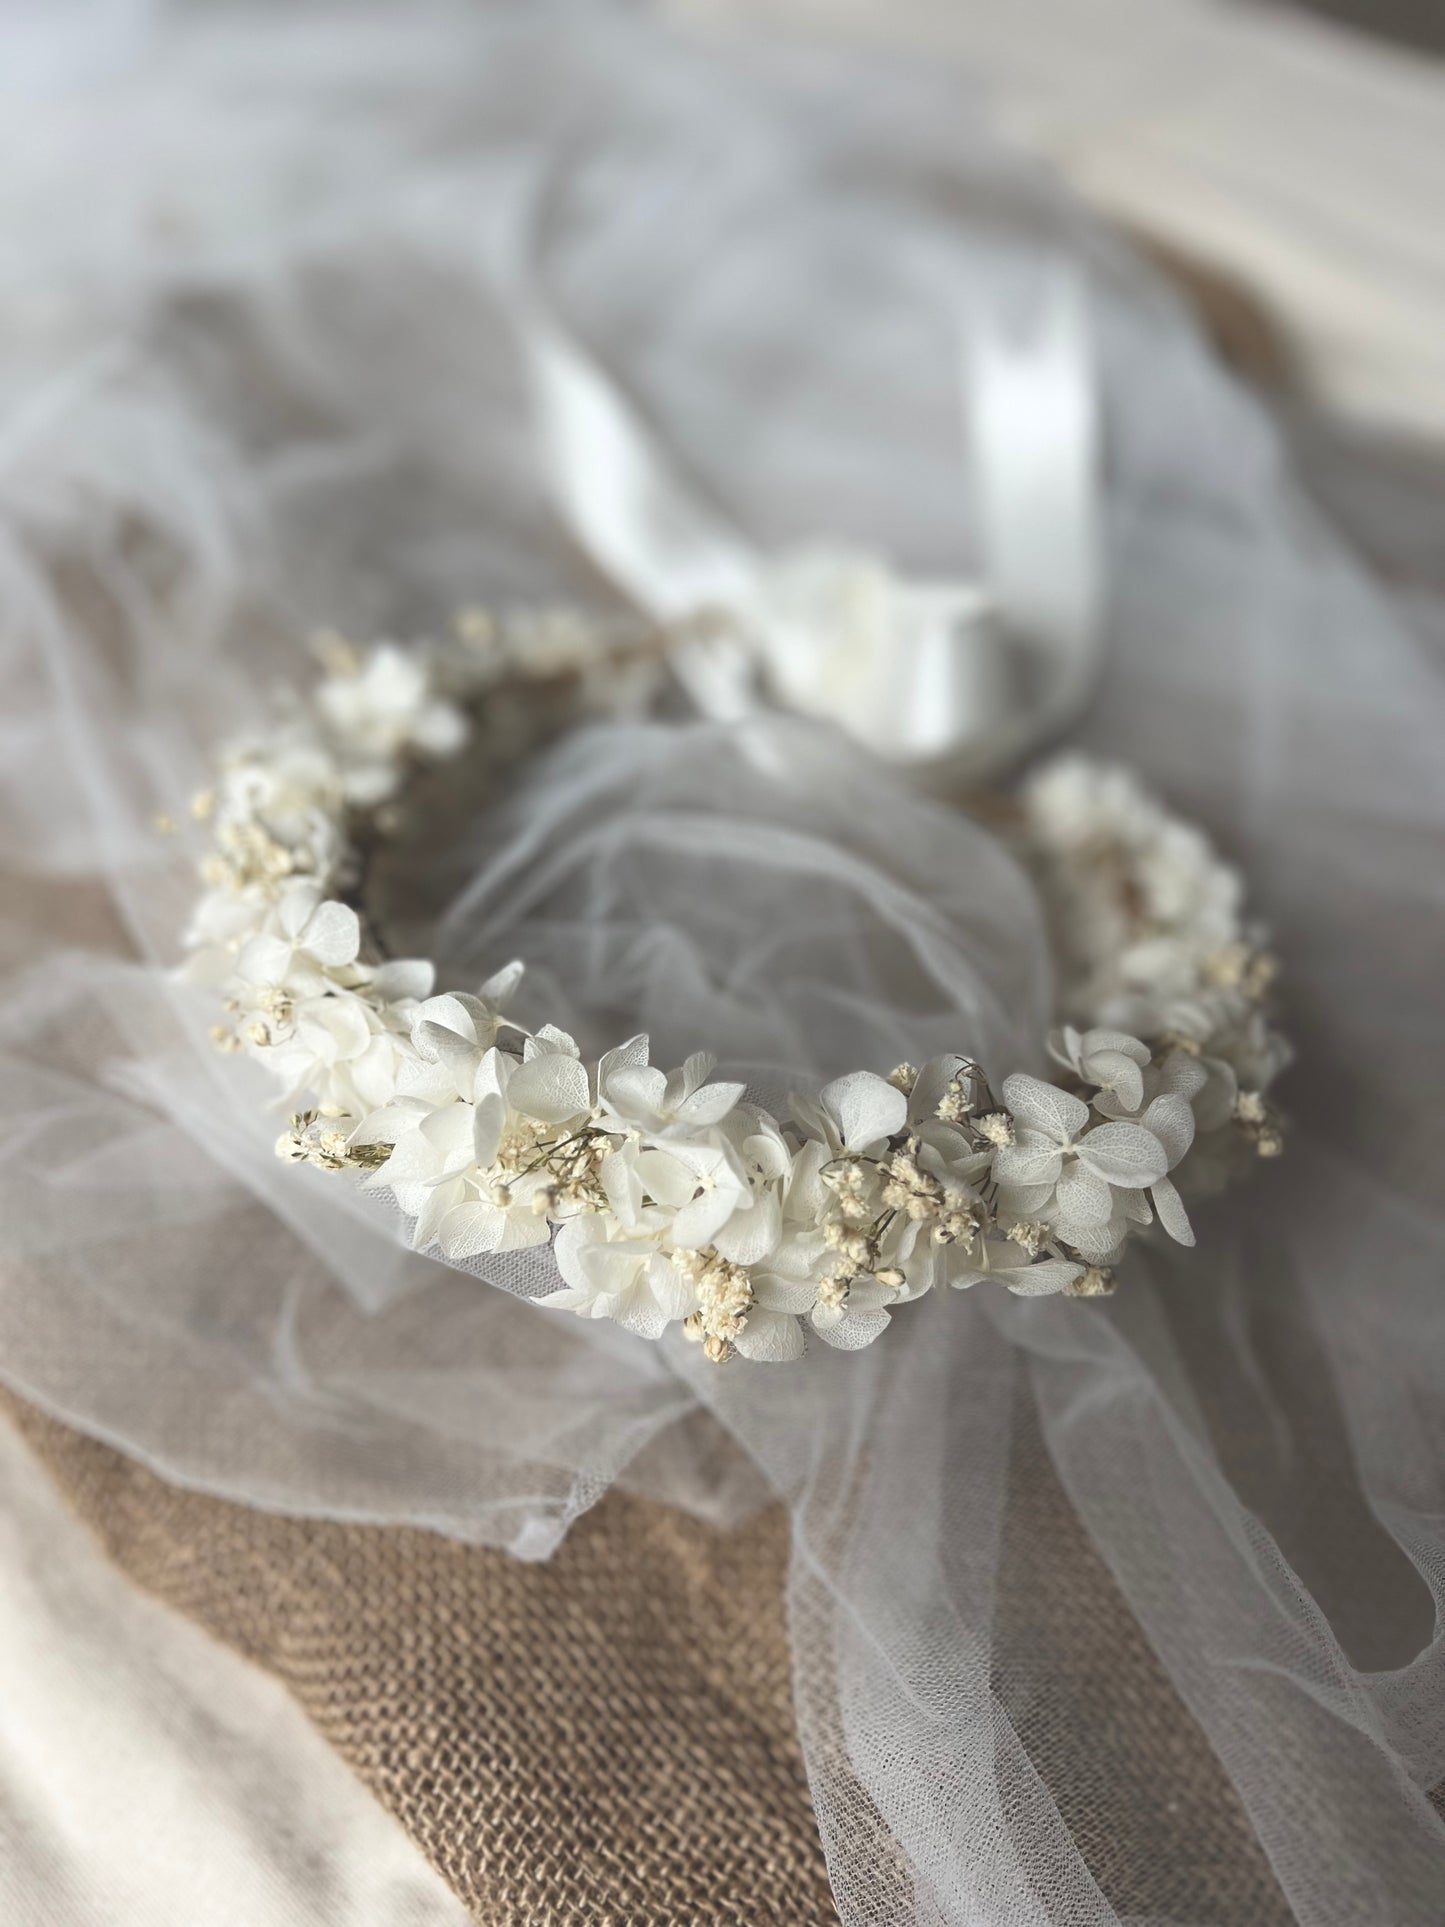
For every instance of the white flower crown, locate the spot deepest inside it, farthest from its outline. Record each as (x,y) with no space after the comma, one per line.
(670,1198)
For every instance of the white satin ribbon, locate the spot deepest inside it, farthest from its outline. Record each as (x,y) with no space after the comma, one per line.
(954,678)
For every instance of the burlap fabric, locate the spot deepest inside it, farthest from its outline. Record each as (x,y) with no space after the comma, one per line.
(604,1739)
(608,1738)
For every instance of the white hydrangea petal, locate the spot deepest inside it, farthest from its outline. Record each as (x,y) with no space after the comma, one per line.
(1098,1041)
(931,1085)
(672,1293)
(965,1278)
(1172,1215)
(522,1231)
(694,1074)
(1024,1201)
(457,1055)
(1042,1278)
(1082,1198)
(1031,1159)
(335,1027)
(404,978)
(770,1337)
(568,1299)
(550,1088)
(430,1084)
(710,1105)
(813,1121)
(636,1090)
(448,1132)
(768,1150)
(700,1222)
(1124,1154)
(778,1293)
(612,1269)
(470,1228)
(333,934)
(549,1041)
(1099,1244)
(622,1185)
(1183,1073)
(439,1201)
(489,1121)
(751,1235)
(865,1109)
(807,1195)
(621,1056)
(390,1122)
(447,1012)
(1171,1119)
(1044,1107)
(574,1238)
(1113,1071)
(501,984)
(853,1331)
(265,959)
(1065,1046)
(640,1313)
(667,1179)
(373,1073)
(295,905)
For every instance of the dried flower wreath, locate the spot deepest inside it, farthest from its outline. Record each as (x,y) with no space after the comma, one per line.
(670,1198)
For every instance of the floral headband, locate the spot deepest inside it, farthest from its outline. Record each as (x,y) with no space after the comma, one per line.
(669,1198)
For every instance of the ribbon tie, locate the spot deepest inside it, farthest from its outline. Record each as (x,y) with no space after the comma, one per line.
(953,679)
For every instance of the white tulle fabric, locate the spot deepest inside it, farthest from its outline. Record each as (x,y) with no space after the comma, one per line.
(256,379)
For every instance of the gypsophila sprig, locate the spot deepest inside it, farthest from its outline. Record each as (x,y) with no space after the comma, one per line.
(667,1197)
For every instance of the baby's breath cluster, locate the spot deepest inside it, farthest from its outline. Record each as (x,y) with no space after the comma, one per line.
(669,1198)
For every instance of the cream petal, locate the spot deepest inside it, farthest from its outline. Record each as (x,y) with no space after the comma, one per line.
(447,1012)
(409,978)
(522,1231)
(671,1291)
(1082,1198)
(700,1222)
(550,1088)
(854,1331)
(294,906)
(1044,1107)
(770,1337)
(1171,1120)
(1172,1215)
(1033,1159)
(751,1235)
(332,934)
(501,984)
(471,1228)
(778,1293)
(636,1090)
(1113,1071)
(667,1179)
(865,1109)
(264,960)
(640,1313)
(711,1104)
(1039,1280)
(1124,1154)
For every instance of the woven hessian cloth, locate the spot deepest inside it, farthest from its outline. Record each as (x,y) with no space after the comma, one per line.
(608,1738)
(604,1740)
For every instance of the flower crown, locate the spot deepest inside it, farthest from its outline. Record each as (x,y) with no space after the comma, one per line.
(669,1198)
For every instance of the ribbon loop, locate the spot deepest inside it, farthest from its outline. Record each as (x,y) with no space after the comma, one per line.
(954,678)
